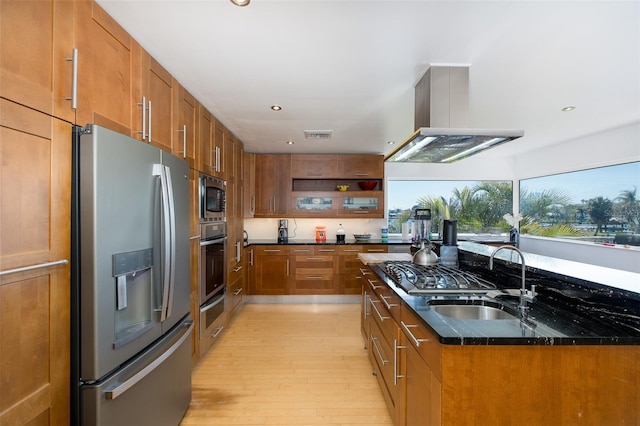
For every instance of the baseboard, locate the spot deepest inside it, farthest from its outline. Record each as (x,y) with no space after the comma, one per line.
(305,299)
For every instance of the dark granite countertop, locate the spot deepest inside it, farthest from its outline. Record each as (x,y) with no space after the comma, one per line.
(569,310)
(293,242)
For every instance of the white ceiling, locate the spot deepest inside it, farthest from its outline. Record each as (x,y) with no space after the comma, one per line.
(350,66)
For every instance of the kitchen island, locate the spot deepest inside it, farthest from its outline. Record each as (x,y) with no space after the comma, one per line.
(574,361)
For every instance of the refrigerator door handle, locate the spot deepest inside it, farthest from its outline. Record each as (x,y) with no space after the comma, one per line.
(172,240)
(160,170)
(128,384)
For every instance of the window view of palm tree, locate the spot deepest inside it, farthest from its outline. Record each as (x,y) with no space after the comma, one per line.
(478,206)
(599,205)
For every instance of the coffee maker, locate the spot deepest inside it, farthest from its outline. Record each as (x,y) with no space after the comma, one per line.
(283,231)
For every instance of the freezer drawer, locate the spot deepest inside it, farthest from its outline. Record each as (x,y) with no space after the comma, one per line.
(153,389)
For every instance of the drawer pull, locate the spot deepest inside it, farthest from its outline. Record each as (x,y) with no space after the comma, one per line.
(313,258)
(406,328)
(387,304)
(375,251)
(364,271)
(218,331)
(375,287)
(271,251)
(238,291)
(327,250)
(375,346)
(377,311)
(314,277)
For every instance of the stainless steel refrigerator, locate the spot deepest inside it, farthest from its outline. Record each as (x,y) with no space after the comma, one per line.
(131,329)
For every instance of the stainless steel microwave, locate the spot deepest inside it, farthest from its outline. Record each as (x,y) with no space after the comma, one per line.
(212,199)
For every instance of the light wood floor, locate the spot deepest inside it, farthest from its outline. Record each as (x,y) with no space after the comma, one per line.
(280,364)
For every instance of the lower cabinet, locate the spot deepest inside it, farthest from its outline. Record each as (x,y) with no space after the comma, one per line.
(271,270)
(235,288)
(311,269)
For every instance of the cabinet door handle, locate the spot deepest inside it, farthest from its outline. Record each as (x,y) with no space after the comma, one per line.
(396,348)
(74,79)
(375,346)
(251,257)
(238,252)
(361,174)
(149,122)
(217,165)
(143,104)
(406,328)
(184,140)
(287,267)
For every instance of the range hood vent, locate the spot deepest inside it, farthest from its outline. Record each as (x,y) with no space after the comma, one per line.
(441,121)
(318,134)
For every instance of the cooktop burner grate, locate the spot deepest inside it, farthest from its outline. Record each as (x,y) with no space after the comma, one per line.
(417,279)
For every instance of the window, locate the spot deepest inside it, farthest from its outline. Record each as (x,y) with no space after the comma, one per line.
(478,206)
(599,205)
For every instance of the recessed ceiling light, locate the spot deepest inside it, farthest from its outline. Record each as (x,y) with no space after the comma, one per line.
(390,142)
(276,107)
(290,142)
(241,3)
(568,108)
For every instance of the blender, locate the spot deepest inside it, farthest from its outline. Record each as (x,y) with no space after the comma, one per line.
(421,229)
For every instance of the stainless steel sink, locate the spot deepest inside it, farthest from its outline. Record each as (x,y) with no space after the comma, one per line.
(472,312)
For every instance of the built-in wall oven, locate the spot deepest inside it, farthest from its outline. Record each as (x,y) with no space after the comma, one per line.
(213,259)
(212,199)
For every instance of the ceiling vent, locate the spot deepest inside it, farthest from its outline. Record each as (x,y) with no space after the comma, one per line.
(318,134)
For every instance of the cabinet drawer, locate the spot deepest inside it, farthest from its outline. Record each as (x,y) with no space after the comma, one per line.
(271,250)
(350,284)
(313,265)
(313,284)
(422,339)
(384,354)
(374,248)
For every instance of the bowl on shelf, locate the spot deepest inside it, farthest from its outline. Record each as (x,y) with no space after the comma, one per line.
(367,185)
(362,237)
(342,188)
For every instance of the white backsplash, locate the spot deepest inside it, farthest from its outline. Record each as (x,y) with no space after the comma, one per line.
(305,229)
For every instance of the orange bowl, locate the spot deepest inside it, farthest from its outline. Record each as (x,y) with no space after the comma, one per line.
(367,185)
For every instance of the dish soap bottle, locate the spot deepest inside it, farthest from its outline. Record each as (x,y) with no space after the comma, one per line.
(340,235)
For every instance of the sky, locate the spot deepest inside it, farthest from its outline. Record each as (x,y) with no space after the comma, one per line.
(608,182)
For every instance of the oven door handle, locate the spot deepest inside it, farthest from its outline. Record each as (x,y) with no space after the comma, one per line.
(210,242)
(211,305)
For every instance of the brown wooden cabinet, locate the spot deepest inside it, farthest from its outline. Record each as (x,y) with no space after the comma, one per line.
(273,185)
(36,38)
(272,270)
(361,166)
(249,192)
(349,276)
(219,146)
(35,223)
(153,104)
(314,272)
(108,70)
(186,130)
(314,166)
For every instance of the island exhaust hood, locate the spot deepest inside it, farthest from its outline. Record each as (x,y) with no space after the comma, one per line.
(441,120)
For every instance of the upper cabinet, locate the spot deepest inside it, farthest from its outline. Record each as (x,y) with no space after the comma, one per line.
(153,104)
(249,181)
(186,131)
(314,166)
(361,166)
(36,64)
(108,70)
(273,185)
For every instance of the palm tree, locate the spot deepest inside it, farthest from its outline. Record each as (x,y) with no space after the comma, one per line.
(491,201)
(600,210)
(629,207)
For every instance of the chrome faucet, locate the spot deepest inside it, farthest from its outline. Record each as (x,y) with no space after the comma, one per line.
(525,295)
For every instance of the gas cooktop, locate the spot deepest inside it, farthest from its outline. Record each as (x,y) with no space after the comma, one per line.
(433,279)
